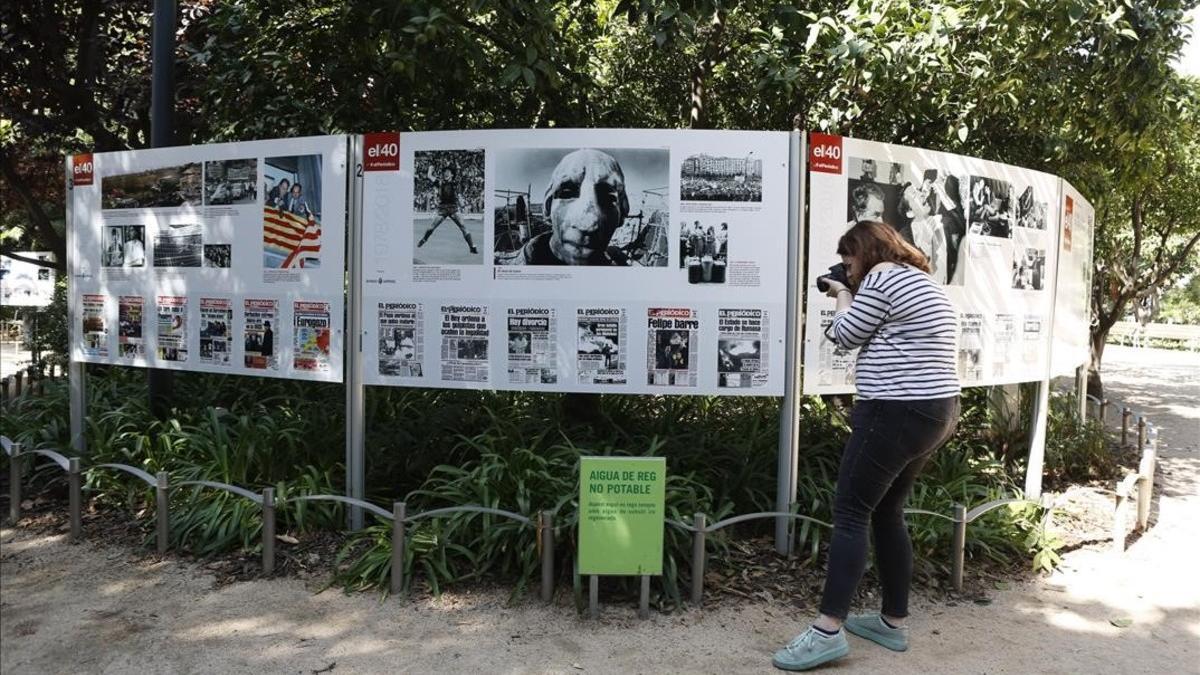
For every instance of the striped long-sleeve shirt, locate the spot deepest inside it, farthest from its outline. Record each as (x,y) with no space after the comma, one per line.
(905,327)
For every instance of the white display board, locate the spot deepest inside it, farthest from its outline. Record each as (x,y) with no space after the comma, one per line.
(24,284)
(614,261)
(989,229)
(1073,298)
(211,258)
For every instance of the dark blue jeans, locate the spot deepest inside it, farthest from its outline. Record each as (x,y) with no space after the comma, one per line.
(890,441)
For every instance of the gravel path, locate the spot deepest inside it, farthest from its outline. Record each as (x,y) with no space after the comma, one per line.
(96,608)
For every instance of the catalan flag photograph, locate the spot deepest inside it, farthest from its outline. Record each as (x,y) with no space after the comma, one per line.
(292,212)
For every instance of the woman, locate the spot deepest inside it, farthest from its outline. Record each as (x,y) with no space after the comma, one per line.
(907,385)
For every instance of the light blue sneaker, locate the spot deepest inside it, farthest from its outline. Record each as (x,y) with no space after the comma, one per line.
(872,627)
(810,649)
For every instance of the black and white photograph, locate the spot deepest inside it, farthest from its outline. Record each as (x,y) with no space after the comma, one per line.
(292,212)
(873,190)
(704,251)
(124,246)
(738,356)
(600,338)
(166,187)
(447,207)
(217,255)
(398,353)
(178,245)
(519,342)
(991,207)
(231,181)
(705,178)
(587,207)
(1031,213)
(1028,268)
(671,349)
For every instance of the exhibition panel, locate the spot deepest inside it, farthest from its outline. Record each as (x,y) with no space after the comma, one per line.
(223,258)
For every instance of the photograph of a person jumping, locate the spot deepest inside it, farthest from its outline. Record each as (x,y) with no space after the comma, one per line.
(448,185)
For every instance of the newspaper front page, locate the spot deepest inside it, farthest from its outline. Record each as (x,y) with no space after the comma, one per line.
(464,343)
(672,336)
(743,336)
(600,354)
(532,346)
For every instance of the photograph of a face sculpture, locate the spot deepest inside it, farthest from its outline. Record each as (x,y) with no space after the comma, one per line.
(586,206)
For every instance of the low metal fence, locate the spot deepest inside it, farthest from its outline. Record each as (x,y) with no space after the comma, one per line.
(1136,487)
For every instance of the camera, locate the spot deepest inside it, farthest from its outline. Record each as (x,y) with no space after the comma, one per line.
(837,273)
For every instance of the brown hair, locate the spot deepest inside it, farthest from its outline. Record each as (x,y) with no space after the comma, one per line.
(873,242)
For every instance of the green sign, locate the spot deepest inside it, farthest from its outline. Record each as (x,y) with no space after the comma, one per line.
(621,515)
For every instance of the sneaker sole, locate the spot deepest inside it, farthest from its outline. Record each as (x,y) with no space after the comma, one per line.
(826,658)
(874,637)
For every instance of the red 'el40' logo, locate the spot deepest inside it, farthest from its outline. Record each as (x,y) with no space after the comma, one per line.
(825,153)
(381,151)
(81,170)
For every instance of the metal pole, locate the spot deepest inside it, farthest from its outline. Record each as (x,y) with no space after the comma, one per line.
(76,372)
(164,516)
(959,545)
(1125,416)
(14,483)
(352,345)
(1037,441)
(789,418)
(159,381)
(594,596)
(19,377)
(547,529)
(1081,391)
(268,531)
(1104,403)
(1141,434)
(399,515)
(75,497)
(698,522)
(644,598)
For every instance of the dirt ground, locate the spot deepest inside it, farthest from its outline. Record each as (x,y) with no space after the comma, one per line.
(97,607)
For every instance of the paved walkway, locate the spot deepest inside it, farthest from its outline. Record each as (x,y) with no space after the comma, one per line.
(92,608)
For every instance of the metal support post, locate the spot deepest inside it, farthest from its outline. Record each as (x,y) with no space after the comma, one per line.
(1037,441)
(75,497)
(1104,403)
(594,596)
(1081,391)
(1141,434)
(268,531)
(352,343)
(959,545)
(789,417)
(14,483)
(399,515)
(547,530)
(644,598)
(698,522)
(1125,417)
(19,377)
(163,515)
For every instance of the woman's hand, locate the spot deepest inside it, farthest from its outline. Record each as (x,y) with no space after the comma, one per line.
(834,287)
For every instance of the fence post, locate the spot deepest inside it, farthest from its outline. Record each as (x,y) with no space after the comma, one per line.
(18,377)
(399,515)
(1104,403)
(594,596)
(644,598)
(268,531)
(75,497)
(698,522)
(547,528)
(14,483)
(164,516)
(1125,415)
(1118,528)
(1141,433)
(1145,485)
(959,546)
